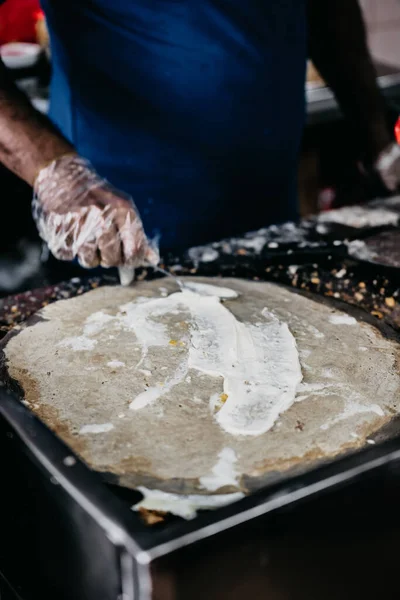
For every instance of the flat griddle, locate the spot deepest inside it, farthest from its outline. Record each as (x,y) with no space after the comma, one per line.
(299,526)
(175,443)
(312,261)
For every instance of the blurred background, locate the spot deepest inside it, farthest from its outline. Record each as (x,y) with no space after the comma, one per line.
(329,168)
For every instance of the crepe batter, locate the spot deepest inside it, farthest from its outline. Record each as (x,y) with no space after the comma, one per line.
(217,389)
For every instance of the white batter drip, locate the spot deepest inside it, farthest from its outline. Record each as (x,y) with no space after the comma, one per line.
(183,506)
(223,472)
(259,363)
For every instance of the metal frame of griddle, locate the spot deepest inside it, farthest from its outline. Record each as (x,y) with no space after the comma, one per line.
(138,550)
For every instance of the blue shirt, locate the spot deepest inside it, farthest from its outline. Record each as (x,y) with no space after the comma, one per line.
(194,107)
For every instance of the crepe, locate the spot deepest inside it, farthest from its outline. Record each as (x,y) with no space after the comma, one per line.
(213,394)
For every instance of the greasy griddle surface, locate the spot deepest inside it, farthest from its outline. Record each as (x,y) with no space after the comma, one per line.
(351,387)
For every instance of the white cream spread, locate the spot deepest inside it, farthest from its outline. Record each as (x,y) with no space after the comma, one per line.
(205,289)
(93,325)
(259,363)
(156,392)
(78,343)
(223,473)
(353,408)
(115,364)
(342,320)
(183,506)
(100,428)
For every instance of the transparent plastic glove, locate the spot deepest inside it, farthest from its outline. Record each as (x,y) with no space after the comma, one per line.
(79,214)
(388,166)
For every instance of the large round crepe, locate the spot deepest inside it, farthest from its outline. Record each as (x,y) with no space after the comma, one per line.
(82,373)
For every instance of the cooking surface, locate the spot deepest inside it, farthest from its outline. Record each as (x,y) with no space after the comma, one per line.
(83,389)
(315,257)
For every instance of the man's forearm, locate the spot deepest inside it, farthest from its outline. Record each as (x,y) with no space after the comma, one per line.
(28,140)
(338,48)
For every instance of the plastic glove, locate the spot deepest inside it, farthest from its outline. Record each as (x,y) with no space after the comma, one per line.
(79,214)
(388,166)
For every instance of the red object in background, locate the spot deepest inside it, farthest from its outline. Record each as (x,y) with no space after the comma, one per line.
(17,20)
(397,130)
(326,199)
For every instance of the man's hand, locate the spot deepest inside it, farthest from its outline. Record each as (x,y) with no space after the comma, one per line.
(81,215)
(77,212)
(388,166)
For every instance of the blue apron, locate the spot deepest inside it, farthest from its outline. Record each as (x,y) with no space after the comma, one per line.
(194,107)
